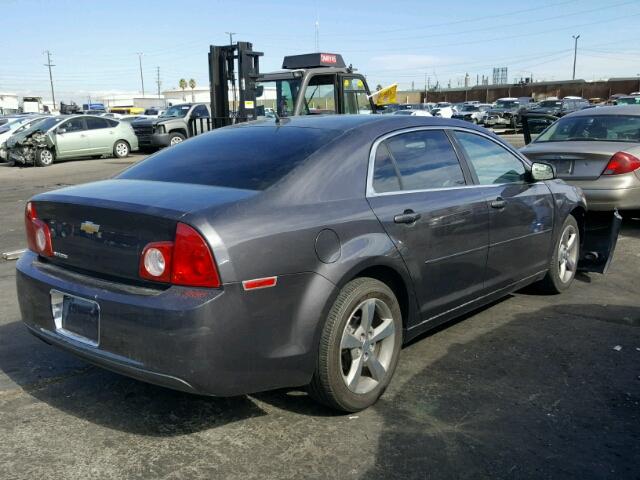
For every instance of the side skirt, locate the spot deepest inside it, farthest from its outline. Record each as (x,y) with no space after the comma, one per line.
(436,320)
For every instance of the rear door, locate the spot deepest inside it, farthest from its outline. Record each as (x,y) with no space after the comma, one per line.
(199,120)
(101,135)
(421,193)
(520,212)
(71,138)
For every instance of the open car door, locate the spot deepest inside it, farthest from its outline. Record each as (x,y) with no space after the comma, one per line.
(535,124)
(600,238)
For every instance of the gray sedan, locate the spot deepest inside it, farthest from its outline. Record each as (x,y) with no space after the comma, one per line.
(297,253)
(597,149)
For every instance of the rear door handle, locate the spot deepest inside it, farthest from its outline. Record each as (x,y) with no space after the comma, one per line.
(498,203)
(409,216)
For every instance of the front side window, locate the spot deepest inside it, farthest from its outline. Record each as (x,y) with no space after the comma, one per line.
(492,163)
(416,161)
(320,95)
(73,125)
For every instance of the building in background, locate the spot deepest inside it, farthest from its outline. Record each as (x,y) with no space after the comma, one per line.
(8,103)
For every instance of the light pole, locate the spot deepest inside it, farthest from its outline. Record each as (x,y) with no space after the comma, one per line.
(575,54)
(141,76)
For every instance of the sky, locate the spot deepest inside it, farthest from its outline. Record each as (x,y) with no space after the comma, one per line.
(94,44)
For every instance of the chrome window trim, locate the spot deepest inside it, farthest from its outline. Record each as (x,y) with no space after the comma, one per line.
(370,191)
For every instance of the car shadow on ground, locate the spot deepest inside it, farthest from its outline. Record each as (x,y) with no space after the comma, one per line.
(549,394)
(117,402)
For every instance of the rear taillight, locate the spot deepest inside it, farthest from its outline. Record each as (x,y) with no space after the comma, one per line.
(38,233)
(185,261)
(622,162)
(155,263)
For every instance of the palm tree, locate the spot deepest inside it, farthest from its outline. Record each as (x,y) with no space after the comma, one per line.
(183,86)
(192,85)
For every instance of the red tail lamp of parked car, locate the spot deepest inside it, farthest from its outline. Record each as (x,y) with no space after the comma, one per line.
(186,261)
(38,232)
(622,162)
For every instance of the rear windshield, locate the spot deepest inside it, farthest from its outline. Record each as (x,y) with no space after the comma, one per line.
(249,158)
(605,128)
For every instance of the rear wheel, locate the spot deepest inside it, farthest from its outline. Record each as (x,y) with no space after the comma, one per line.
(121,149)
(564,262)
(359,347)
(44,157)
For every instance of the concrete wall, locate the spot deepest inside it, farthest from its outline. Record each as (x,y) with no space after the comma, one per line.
(490,93)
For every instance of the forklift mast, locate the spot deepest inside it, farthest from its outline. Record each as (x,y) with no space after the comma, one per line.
(224,63)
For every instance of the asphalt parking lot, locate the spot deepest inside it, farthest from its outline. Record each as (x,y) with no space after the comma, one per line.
(530,387)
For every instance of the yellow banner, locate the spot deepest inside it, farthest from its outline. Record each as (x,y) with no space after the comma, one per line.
(387,95)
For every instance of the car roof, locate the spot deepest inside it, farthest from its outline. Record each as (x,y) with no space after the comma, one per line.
(608,110)
(350,122)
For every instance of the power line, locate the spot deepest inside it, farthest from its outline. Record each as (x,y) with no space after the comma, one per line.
(49,64)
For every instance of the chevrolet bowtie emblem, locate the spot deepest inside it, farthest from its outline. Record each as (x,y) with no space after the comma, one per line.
(89,227)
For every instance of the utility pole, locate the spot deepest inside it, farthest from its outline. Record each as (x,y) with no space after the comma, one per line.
(158,82)
(141,77)
(49,64)
(575,54)
(231,34)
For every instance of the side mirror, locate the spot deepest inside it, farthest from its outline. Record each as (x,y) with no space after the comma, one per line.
(542,171)
(61,130)
(259,90)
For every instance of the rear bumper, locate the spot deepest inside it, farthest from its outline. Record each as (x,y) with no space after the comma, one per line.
(605,194)
(214,342)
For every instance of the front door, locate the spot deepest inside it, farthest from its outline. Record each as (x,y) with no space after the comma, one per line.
(420,192)
(71,138)
(520,211)
(355,96)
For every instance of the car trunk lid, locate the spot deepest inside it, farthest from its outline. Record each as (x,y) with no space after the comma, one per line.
(102,227)
(579,160)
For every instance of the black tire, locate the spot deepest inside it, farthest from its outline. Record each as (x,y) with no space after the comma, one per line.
(328,385)
(552,283)
(45,157)
(121,149)
(175,138)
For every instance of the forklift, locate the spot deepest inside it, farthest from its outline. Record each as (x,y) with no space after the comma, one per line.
(309,84)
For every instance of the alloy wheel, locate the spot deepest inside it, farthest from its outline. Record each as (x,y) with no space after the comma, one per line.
(46,157)
(367,346)
(568,254)
(175,140)
(122,150)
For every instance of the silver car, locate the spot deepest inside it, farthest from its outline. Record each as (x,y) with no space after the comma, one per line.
(71,137)
(597,149)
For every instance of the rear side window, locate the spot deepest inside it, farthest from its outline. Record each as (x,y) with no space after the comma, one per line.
(416,161)
(250,158)
(94,123)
